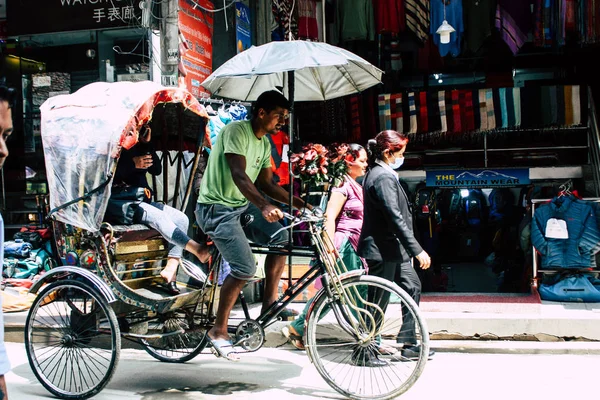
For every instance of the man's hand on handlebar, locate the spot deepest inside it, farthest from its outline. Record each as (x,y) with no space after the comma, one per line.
(271,213)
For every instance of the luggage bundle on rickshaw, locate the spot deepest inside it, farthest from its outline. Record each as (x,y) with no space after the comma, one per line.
(107,286)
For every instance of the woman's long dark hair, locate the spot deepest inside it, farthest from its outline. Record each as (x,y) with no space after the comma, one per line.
(385,140)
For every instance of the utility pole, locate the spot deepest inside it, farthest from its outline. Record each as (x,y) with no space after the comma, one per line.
(169,42)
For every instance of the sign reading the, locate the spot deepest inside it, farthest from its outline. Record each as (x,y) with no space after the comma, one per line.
(196,25)
(35,16)
(477,178)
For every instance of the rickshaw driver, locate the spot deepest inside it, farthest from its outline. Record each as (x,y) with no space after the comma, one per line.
(242,156)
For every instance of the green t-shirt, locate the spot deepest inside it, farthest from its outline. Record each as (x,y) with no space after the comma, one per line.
(217,185)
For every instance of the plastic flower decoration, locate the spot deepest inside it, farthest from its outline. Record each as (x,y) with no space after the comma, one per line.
(316,165)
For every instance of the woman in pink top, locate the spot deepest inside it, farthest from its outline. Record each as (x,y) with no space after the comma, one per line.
(344,216)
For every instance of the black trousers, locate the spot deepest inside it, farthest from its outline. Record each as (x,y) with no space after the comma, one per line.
(405,276)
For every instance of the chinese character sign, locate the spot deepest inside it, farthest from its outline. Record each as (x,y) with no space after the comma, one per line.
(196,26)
(35,16)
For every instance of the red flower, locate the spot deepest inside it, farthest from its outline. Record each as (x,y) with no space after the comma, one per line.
(310,155)
(320,149)
(296,157)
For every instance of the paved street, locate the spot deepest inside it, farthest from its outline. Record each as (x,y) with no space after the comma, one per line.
(287,374)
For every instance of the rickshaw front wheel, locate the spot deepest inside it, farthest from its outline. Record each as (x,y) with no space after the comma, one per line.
(72,339)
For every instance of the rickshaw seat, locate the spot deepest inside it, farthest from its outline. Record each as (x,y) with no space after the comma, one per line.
(135,232)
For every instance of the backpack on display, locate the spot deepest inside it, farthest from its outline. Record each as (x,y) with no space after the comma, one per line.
(501,203)
(475,205)
(425,203)
(450,206)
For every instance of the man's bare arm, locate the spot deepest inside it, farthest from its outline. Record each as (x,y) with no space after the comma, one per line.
(237,165)
(266,184)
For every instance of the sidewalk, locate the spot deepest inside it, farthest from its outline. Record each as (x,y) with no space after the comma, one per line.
(491,327)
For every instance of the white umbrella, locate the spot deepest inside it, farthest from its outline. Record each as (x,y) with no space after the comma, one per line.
(319,71)
(305,71)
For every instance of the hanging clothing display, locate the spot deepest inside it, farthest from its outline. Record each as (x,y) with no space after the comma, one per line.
(417,18)
(565,233)
(389,16)
(355,20)
(513,19)
(479,20)
(287,27)
(453,12)
(218,122)
(466,110)
(308,28)
(280,146)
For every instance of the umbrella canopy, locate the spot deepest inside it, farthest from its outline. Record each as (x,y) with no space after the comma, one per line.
(322,72)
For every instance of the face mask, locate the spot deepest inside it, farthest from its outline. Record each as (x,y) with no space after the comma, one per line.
(397,163)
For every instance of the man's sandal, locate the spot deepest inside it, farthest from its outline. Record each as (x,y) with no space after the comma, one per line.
(223,348)
(295,339)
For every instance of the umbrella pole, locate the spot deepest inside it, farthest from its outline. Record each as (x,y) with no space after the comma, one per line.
(291,89)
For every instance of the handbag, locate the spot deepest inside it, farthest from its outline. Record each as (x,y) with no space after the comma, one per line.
(124,203)
(572,288)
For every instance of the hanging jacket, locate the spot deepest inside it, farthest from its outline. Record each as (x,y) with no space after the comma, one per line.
(218,122)
(584,235)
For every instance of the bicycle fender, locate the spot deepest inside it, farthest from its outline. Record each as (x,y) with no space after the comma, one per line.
(60,272)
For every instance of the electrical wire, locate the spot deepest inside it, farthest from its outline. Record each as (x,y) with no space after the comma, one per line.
(196,5)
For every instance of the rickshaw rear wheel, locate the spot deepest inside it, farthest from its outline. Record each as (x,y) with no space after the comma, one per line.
(72,339)
(177,348)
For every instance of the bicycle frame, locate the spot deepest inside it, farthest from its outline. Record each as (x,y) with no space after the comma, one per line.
(333,271)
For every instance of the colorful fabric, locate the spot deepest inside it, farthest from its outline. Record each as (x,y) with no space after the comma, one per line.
(503,107)
(489,102)
(513,19)
(483,109)
(463,111)
(469,113)
(385,112)
(412,112)
(457,126)
(423,121)
(576,105)
(417,18)
(397,119)
(442,108)
(287,27)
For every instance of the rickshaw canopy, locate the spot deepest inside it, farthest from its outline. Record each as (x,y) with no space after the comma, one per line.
(82,136)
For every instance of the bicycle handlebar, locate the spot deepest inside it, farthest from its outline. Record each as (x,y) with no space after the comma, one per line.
(314,215)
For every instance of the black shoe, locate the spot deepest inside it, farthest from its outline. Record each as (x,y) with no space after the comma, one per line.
(413,352)
(364,358)
(172,288)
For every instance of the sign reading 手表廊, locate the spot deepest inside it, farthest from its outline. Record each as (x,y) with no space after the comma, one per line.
(478,178)
(26,17)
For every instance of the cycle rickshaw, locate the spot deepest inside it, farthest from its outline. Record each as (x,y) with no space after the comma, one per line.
(107,287)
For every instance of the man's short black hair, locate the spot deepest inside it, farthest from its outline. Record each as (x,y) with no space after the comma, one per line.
(269,101)
(7,93)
